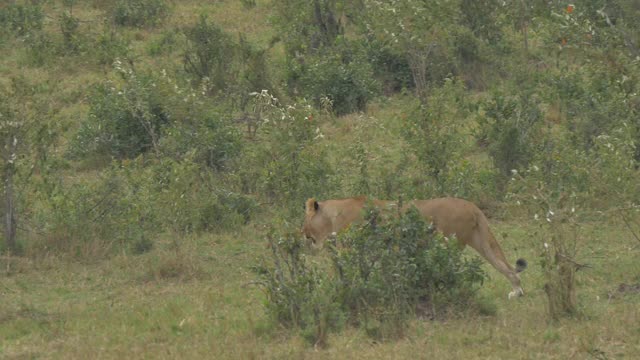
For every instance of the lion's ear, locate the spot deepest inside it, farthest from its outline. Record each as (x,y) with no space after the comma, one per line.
(311,206)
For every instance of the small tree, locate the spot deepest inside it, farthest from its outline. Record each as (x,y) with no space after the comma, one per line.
(24,139)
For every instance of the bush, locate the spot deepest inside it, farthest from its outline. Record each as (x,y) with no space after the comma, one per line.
(391,265)
(22,19)
(139,13)
(39,48)
(341,75)
(434,138)
(109,46)
(287,161)
(93,219)
(391,67)
(211,142)
(209,55)
(381,273)
(511,127)
(190,199)
(298,293)
(124,121)
(71,41)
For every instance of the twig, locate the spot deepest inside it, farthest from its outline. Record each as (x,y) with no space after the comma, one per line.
(626,222)
(577,264)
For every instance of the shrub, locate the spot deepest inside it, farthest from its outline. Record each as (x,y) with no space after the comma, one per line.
(342,75)
(71,41)
(380,274)
(124,121)
(109,46)
(287,161)
(511,127)
(391,67)
(40,48)
(192,199)
(393,264)
(139,13)
(93,219)
(205,136)
(22,19)
(435,135)
(298,293)
(209,55)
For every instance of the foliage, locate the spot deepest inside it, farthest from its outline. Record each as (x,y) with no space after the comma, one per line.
(342,75)
(39,48)
(380,274)
(125,120)
(206,56)
(287,160)
(434,132)
(139,13)
(71,40)
(22,19)
(511,126)
(109,46)
(422,31)
(26,135)
(298,293)
(314,26)
(222,66)
(91,220)
(394,263)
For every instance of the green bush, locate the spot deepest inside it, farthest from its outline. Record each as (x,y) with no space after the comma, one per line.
(511,127)
(22,19)
(190,198)
(287,161)
(381,273)
(209,55)
(391,265)
(139,13)
(434,132)
(71,40)
(109,46)
(93,219)
(124,121)
(299,294)
(40,48)
(210,141)
(342,75)
(391,67)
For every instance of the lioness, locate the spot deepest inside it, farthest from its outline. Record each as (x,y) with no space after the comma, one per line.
(450,216)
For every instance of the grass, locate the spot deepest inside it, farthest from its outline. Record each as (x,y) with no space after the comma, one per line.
(192,298)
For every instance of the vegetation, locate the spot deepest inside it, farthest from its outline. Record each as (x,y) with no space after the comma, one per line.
(147,152)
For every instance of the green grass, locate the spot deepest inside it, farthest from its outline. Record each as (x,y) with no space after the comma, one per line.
(193,298)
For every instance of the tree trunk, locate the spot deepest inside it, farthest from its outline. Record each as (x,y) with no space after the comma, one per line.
(9,204)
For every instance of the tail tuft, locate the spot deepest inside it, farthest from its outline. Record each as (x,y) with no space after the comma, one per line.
(521,264)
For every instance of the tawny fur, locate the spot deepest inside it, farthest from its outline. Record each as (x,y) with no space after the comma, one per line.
(450,216)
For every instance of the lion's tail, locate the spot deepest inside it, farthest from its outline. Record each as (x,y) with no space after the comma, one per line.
(521,265)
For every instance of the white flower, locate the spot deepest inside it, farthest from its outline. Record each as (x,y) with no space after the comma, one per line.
(535,217)
(546,246)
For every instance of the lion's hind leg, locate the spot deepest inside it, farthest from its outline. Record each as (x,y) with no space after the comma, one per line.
(491,251)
